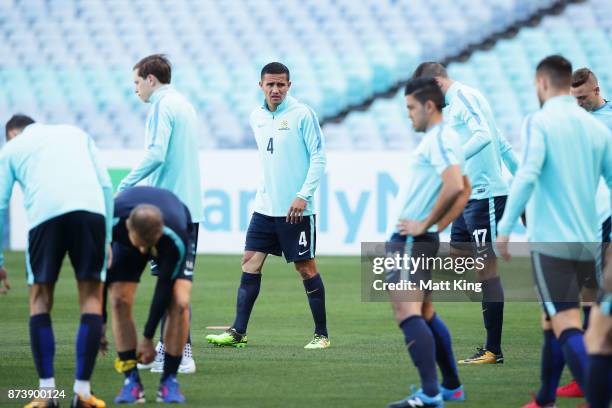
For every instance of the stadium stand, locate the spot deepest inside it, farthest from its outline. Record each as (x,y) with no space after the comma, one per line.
(582,33)
(70,60)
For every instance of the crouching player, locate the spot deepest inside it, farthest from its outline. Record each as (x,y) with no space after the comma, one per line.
(151,224)
(436,193)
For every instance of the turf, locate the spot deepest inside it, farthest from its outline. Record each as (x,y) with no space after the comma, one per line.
(367,365)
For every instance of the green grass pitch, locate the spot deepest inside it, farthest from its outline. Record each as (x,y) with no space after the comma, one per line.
(367,365)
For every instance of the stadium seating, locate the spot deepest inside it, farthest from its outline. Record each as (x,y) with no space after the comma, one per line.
(582,33)
(70,60)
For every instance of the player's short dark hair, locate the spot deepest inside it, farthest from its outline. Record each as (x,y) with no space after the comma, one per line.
(157,65)
(430,69)
(558,69)
(275,68)
(582,76)
(425,89)
(17,122)
(146,220)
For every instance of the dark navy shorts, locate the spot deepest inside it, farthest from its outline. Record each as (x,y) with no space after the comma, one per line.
(275,236)
(558,281)
(478,224)
(81,234)
(128,263)
(425,246)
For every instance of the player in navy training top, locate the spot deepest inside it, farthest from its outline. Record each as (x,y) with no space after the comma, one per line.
(151,224)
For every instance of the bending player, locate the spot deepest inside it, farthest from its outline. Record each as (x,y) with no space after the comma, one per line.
(436,194)
(151,224)
(69,205)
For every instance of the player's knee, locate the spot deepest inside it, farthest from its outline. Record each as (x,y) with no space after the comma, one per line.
(307,270)
(591,341)
(182,306)
(41,299)
(121,302)
(180,301)
(91,304)
(403,310)
(251,262)
(428,311)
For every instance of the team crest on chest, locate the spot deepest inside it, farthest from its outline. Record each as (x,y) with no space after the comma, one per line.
(284,125)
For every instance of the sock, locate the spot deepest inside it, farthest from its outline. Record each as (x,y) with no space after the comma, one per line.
(493,313)
(189,332)
(171,365)
(599,380)
(586,309)
(572,344)
(551,367)
(87,345)
(42,342)
(129,355)
(247,294)
(162,326)
(46,383)
(315,291)
(444,353)
(83,388)
(422,350)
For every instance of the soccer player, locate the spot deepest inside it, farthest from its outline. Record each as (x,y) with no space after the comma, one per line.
(171,158)
(435,194)
(151,224)
(291,150)
(68,202)
(556,196)
(585,88)
(470,115)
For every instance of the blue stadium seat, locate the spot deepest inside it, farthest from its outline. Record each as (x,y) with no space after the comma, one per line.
(71,60)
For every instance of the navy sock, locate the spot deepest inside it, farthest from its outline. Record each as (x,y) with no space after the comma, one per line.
(42,342)
(422,349)
(599,380)
(87,345)
(129,355)
(247,294)
(315,291)
(171,365)
(162,327)
(574,351)
(551,368)
(493,313)
(586,310)
(444,353)
(189,332)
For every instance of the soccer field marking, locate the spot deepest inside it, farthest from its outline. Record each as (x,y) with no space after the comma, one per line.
(217,327)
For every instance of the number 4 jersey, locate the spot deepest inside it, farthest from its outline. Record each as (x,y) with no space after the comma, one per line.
(291,150)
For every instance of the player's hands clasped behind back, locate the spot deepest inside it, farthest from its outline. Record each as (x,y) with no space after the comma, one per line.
(5,286)
(502,247)
(411,227)
(146,351)
(296,211)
